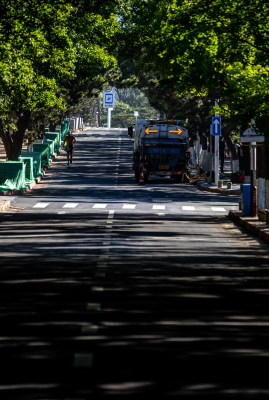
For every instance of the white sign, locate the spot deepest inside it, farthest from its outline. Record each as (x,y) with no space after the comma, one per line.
(108,100)
(136,113)
(250,135)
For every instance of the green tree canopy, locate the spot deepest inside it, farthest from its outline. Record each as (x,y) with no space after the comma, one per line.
(53,54)
(217,50)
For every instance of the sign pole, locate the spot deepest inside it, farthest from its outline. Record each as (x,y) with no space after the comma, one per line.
(216,166)
(211,155)
(109,117)
(253,179)
(108,102)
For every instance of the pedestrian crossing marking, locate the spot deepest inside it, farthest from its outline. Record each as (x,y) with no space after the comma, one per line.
(158,207)
(218,209)
(188,208)
(99,205)
(129,206)
(70,205)
(41,205)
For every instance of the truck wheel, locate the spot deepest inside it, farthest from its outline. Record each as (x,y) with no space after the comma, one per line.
(178,178)
(146,178)
(137,175)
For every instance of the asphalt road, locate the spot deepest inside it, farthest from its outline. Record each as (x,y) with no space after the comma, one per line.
(111,289)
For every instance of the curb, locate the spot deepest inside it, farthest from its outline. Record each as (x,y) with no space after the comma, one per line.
(251,224)
(203,186)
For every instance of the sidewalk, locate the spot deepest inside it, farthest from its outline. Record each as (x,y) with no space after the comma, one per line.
(251,224)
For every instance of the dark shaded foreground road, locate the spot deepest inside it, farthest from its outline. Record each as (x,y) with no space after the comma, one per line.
(131,309)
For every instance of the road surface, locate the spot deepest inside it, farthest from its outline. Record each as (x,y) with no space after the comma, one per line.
(111,289)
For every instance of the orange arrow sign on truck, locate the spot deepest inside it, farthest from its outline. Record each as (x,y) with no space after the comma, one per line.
(148,131)
(178,131)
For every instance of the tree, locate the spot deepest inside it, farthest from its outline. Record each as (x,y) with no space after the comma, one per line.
(53,54)
(215,51)
(130,100)
(36,53)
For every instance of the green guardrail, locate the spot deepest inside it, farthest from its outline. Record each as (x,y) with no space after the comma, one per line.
(44,149)
(36,157)
(29,170)
(12,175)
(51,147)
(56,137)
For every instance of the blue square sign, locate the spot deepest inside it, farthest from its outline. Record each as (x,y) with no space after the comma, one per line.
(216,126)
(108,100)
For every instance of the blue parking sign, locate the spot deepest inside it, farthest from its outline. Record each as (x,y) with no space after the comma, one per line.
(108,100)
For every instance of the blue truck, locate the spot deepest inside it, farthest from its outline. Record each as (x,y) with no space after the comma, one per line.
(160,148)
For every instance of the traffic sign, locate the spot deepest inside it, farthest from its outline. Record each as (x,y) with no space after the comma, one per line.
(108,100)
(109,89)
(136,113)
(250,135)
(216,126)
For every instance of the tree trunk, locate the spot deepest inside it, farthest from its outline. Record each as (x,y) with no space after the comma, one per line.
(226,132)
(13,139)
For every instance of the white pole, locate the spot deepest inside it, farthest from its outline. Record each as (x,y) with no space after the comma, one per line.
(211,154)
(216,162)
(109,117)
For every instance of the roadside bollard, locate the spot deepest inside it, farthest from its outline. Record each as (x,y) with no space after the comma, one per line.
(246,199)
(220,183)
(229,185)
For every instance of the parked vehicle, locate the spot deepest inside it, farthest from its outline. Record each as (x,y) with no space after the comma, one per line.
(160,148)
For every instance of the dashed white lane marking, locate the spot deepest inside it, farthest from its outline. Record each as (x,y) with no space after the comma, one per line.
(102,264)
(158,207)
(99,205)
(87,329)
(83,360)
(94,307)
(41,205)
(70,205)
(128,206)
(111,214)
(61,212)
(188,208)
(97,289)
(218,209)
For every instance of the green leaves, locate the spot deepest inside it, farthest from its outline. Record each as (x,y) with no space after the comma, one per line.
(53,53)
(218,48)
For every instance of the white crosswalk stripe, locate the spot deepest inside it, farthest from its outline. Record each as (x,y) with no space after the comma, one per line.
(99,205)
(158,207)
(188,208)
(218,209)
(41,205)
(70,205)
(129,206)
